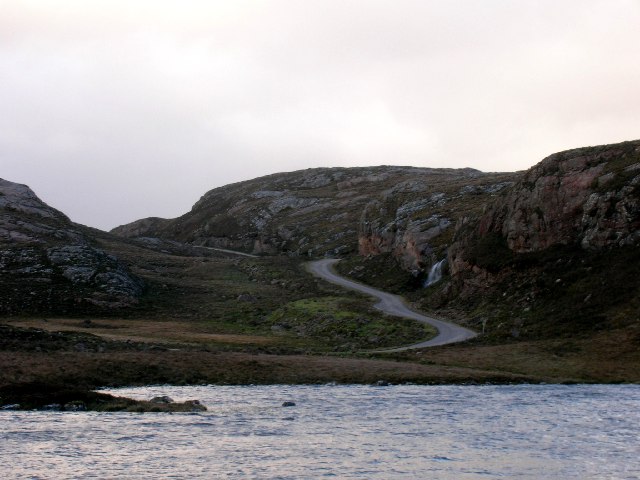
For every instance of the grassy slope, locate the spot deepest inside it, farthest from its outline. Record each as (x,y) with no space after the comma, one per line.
(192,328)
(270,298)
(213,319)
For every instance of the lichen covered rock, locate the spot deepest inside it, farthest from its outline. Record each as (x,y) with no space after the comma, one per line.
(48,264)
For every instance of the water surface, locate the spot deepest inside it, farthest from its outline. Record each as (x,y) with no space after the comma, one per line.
(439,432)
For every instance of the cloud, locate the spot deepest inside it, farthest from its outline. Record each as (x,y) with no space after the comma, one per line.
(118,110)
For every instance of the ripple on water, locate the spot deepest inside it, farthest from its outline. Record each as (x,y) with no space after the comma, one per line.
(445,432)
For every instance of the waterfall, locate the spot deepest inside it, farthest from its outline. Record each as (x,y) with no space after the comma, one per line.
(435,274)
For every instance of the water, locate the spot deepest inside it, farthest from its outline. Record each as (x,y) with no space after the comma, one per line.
(430,432)
(435,274)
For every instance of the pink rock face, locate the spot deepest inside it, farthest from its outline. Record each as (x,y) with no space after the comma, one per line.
(550,212)
(564,199)
(408,245)
(373,245)
(409,251)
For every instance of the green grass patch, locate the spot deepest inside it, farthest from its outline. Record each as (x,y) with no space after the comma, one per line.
(344,324)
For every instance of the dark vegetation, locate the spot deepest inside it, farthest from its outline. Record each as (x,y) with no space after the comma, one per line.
(382,271)
(490,252)
(562,292)
(564,312)
(16,339)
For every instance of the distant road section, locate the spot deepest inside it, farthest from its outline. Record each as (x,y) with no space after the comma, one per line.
(394,305)
(231,252)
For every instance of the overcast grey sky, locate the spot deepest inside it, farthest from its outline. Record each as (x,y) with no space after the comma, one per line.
(122,109)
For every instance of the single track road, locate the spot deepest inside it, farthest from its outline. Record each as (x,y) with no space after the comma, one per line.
(394,305)
(224,250)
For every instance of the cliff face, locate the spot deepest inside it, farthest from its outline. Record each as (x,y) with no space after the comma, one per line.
(588,196)
(408,212)
(416,226)
(586,199)
(47,263)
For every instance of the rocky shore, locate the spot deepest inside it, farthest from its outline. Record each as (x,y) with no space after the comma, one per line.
(65,398)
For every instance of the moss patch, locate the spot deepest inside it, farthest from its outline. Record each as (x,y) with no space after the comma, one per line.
(345,324)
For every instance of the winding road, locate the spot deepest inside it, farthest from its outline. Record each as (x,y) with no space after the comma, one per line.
(224,250)
(394,305)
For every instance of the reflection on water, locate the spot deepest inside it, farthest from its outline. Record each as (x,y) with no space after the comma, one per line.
(457,432)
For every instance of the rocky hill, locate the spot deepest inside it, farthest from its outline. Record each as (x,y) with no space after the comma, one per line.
(48,263)
(409,212)
(552,255)
(558,252)
(587,198)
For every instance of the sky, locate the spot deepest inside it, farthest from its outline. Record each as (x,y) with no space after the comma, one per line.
(117,110)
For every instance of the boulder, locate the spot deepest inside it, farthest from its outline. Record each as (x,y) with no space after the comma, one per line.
(75,406)
(162,399)
(195,406)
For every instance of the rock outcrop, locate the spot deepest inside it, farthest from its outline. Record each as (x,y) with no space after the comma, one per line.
(414,221)
(309,212)
(587,197)
(139,228)
(48,264)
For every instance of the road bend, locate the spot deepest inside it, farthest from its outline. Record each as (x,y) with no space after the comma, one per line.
(394,305)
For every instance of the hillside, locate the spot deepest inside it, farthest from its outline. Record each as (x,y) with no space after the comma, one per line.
(546,253)
(334,211)
(553,260)
(558,253)
(48,264)
(542,263)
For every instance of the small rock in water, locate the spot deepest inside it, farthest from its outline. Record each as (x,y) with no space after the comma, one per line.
(161,399)
(288,404)
(381,383)
(195,405)
(75,406)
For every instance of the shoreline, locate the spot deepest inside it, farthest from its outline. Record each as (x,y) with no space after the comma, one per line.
(38,365)
(61,398)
